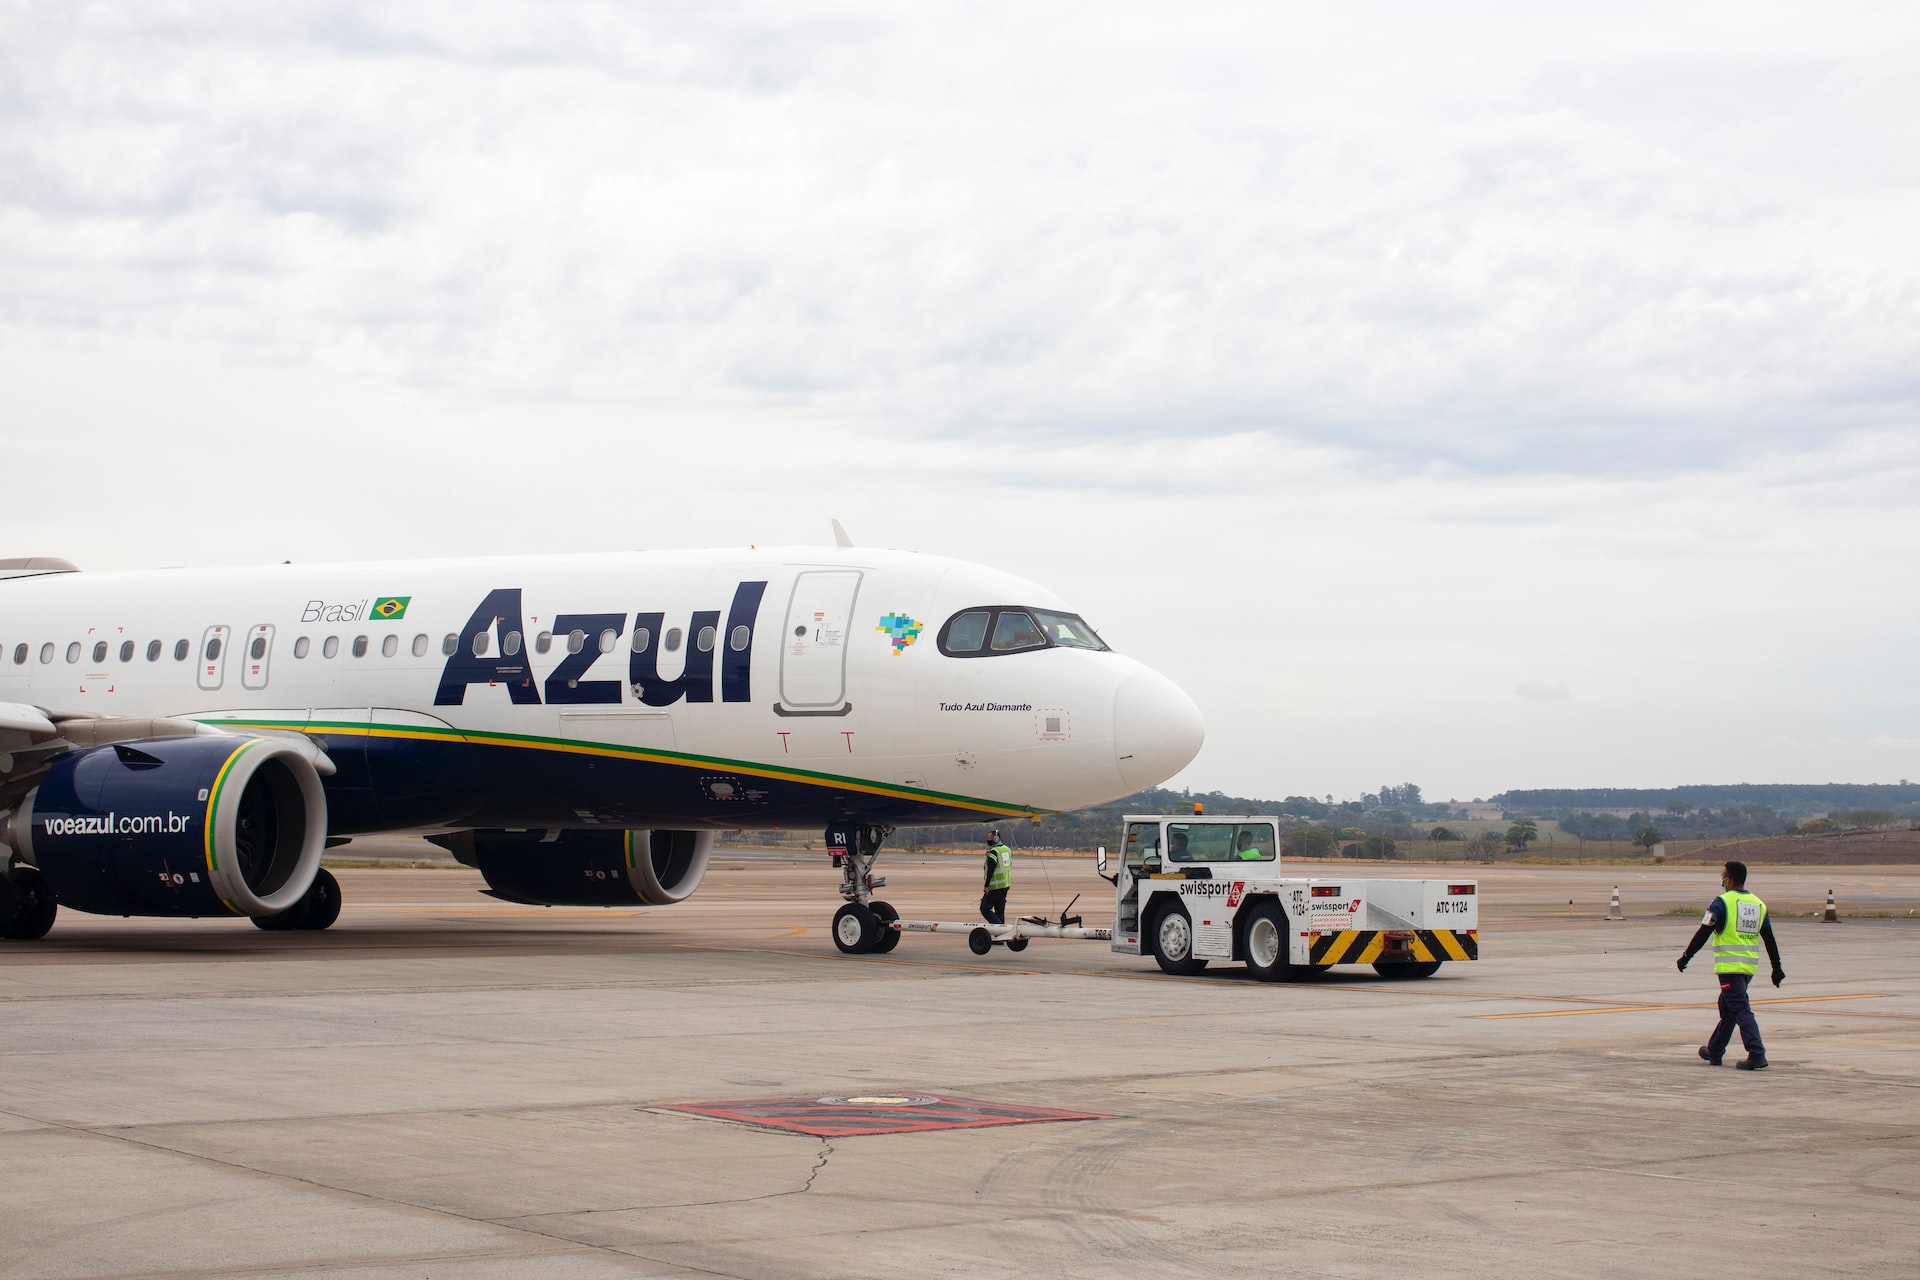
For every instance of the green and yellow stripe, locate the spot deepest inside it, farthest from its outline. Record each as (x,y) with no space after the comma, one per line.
(646,755)
(213,806)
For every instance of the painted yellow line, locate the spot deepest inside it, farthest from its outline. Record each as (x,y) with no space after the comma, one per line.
(1648,1008)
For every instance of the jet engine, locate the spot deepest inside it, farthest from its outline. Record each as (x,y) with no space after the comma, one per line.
(201,826)
(594,867)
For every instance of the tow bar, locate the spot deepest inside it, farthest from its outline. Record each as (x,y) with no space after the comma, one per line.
(981,937)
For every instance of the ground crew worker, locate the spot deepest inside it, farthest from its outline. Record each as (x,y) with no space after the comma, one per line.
(1246,852)
(998,878)
(1738,923)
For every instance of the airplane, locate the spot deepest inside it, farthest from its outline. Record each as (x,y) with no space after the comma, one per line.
(188,742)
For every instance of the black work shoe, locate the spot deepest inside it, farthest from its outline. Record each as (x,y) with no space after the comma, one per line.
(1708,1058)
(1752,1064)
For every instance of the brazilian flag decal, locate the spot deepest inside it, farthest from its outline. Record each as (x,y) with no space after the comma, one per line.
(391,608)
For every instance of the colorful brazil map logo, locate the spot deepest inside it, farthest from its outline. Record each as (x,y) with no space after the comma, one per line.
(900,629)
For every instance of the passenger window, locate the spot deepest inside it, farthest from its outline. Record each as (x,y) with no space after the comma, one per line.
(673,640)
(302,647)
(330,647)
(100,651)
(1143,843)
(511,645)
(966,633)
(359,646)
(576,641)
(738,640)
(481,639)
(73,652)
(642,637)
(46,652)
(705,640)
(153,651)
(1015,630)
(180,650)
(543,642)
(126,651)
(20,655)
(213,648)
(258,649)
(451,645)
(608,639)
(420,645)
(390,646)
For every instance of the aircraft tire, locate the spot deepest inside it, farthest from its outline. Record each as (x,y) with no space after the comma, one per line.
(1406,968)
(283,921)
(34,907)
(1265,945)
(888,938)
(1172,937)
(855,929)
(322,902)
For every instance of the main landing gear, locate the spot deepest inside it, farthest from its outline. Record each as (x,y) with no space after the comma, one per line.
(27,907)
(864,924)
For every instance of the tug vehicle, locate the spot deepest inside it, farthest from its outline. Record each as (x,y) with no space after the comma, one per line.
(1189,890)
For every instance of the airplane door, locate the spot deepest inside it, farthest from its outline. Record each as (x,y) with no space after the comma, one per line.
(813,653)
(253,669)
(213,657)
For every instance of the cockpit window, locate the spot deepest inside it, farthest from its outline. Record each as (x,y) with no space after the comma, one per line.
(989,630)
(1068,631)
(1015,630)
(966,633)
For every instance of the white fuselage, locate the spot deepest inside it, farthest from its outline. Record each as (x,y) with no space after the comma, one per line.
(820,693)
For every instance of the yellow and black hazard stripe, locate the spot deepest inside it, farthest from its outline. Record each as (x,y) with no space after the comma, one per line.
(1364,946)
(1348,946)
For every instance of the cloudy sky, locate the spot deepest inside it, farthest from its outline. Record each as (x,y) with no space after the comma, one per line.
(1482,395)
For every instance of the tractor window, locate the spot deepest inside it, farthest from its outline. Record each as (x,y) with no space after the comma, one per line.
(1253,842)
(1199,842)
(1143,843)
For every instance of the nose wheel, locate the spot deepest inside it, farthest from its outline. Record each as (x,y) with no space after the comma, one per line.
(864,924)
(859,928)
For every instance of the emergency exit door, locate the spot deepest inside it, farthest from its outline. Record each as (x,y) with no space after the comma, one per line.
(813,652)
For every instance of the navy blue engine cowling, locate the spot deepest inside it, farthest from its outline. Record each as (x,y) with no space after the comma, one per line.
(206,826)
(595,867)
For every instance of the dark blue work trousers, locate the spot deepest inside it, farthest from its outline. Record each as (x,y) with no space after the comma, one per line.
(993,906)
(1735,1012)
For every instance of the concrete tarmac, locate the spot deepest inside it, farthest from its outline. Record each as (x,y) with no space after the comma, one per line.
(446,1085)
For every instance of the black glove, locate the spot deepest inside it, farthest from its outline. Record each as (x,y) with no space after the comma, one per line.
(1779,976)
(1681,964)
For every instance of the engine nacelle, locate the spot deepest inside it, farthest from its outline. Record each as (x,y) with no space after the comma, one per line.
(595,867)
(206,826)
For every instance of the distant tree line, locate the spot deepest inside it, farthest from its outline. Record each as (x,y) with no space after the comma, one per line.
(1787,800)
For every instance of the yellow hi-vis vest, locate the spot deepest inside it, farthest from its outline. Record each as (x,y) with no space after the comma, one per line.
(1249,855)
(999,867)
(1736,948)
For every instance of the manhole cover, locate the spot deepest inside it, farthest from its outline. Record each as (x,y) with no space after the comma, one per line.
(852,1115)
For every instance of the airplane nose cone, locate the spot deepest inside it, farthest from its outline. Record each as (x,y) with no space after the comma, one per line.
(1156,729)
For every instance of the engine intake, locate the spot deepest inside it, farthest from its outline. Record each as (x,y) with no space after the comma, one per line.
(595,867)
(204,826)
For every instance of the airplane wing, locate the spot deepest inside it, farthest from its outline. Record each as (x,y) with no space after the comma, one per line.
(31,737)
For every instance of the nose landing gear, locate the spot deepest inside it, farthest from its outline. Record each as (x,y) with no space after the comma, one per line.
(864,924)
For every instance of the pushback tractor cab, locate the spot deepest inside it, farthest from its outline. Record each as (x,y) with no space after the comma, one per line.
(1190,890)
